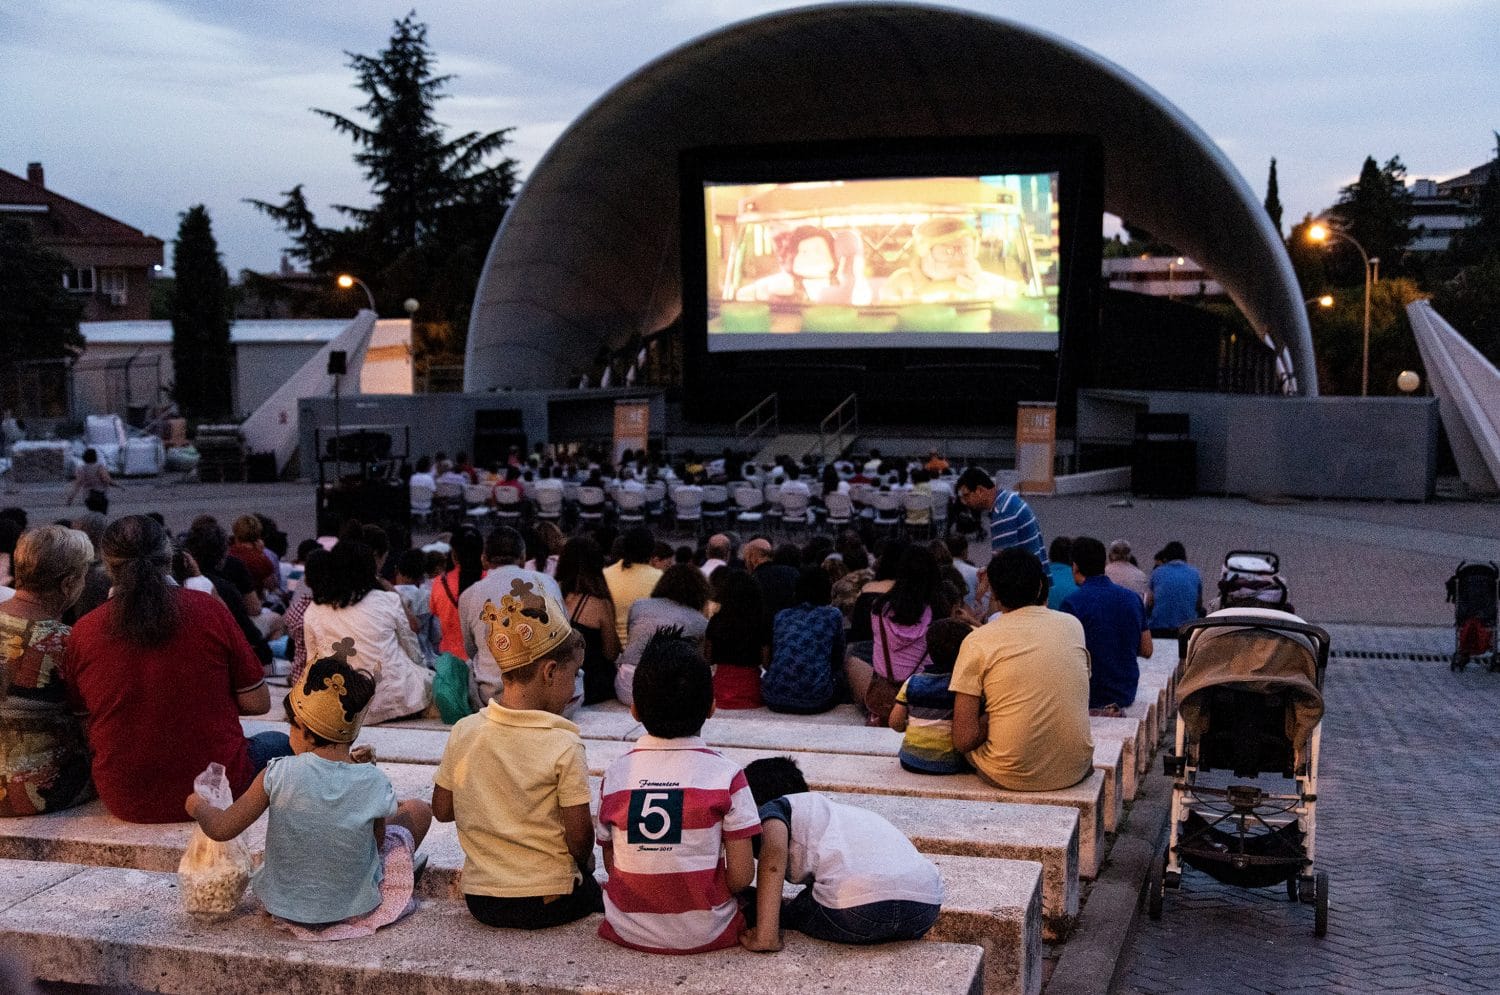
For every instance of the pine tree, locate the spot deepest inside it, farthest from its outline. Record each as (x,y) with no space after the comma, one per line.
(1377,211)
(437,200)
(200,320)
(1273,197)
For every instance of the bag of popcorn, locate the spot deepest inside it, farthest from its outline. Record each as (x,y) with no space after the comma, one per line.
(213,875)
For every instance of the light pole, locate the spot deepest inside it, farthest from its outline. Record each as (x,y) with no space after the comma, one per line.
(1321,233)
(1326,301)
(346,281)
(1171,272)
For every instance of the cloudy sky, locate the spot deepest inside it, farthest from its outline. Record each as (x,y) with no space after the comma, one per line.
(140,108)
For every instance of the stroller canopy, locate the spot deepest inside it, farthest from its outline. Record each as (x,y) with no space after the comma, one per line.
(1258,657)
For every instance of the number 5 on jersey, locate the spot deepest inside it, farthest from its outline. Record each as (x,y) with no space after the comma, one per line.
(655,817)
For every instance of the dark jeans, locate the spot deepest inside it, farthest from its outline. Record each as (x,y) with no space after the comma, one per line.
(533,913)
(267,746)
(878,922)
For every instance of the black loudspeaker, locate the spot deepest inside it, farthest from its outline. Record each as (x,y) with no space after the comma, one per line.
(495,431)
(338,361)
(1164,468)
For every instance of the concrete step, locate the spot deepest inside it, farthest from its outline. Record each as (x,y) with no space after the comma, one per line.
(840,773)
(1046,836)
(106,926)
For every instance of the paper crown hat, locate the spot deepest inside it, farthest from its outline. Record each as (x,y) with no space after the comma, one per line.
(321,701)
(526,626)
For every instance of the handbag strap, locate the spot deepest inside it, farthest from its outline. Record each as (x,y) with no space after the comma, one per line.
(583,599)
(448,590)
(885,649)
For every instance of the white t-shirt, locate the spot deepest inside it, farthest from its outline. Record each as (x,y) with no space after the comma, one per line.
(851,856)
(384,646)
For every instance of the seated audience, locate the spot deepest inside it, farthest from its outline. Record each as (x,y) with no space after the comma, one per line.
(1114,629)
(898,621)
(340,853)
(515,779)
(314,576)
(1021,686)
(591,613)
(163,675)
(504,552)
(865,882)
(1122,570)
(44,761)
(805,672)
(924,705)
(209,547)
(96,584)
(1060,572)
(632,578)
(677,601)
(351,609)
(737,642)
(1176,594)
(676,899)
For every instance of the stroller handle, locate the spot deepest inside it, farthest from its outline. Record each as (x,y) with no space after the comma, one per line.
(1265,554)
(1319,637)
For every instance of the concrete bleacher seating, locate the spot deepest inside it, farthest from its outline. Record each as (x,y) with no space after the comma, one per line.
(108,926)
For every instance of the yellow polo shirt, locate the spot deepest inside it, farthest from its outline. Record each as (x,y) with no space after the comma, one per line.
(511,773)
(1031,669)
(627,585)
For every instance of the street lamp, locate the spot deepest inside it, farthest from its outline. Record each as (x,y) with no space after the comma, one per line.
(1408,381)
(1326,301)
(1322,233)
(346,281)
(1171,271)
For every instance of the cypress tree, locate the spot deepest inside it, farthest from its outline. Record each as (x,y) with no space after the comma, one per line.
(1273,197)
(201,356)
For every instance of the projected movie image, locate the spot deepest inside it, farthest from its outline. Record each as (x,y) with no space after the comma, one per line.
(940,262)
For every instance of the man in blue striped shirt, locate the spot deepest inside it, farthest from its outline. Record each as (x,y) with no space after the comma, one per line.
(1011,520)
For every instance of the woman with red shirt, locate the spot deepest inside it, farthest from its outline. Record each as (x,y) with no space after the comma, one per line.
(467,558)
(162,675)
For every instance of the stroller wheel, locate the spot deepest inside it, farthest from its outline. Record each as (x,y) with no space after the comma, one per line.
(1459,663)
(1320,910)
(1156,887)
(1292,890)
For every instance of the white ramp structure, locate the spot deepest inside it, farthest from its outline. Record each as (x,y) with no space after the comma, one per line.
(272,427)
(1467,387)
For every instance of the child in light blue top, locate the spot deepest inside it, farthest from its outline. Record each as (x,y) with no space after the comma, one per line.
(330,816)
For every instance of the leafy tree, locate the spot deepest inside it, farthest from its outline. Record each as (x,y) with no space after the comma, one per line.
(1273,197)
(1376,210)
(1481,239)
(38,317)
(1471,304)
(201,311)
(1338,337)
(1142,242)
(437,200)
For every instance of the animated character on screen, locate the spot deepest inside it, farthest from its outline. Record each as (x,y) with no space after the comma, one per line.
(808,256)
(946,268)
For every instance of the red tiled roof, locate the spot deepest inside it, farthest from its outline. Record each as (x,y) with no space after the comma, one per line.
(67,221)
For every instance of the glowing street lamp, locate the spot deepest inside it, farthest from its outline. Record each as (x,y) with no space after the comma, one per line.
(1408,381)
(1171,271)
(1322,234)
(346,281)
(1326,301)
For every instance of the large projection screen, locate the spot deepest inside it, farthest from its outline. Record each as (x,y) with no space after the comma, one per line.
(924,262)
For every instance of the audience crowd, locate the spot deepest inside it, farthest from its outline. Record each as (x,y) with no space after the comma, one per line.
(130,654)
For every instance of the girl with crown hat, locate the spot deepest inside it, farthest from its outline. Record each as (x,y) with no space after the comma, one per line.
(340,857)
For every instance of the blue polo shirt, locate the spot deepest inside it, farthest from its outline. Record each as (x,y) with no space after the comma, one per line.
(1176,590)
(1113,619)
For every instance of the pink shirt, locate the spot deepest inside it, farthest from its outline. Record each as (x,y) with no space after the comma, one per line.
(907,645)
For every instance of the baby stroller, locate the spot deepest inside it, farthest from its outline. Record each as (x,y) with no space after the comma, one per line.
(1250,693)
(1252,578)
(1472,590)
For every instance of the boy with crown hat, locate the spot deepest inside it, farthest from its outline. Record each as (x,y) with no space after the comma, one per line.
(515,779)
(340,852)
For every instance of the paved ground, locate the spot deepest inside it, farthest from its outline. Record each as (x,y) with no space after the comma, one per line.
(1346,561)
(1406,828)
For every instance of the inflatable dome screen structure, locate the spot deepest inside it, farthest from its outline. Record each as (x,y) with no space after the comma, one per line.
(588,255)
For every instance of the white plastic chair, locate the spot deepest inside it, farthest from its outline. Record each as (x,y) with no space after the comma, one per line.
(477,502)
(918,510)
(630,506)
(887,509)
(794,509)
(715,505)
(687,505)
(590,504)
(749,502)
(840,509)
(549,504)
(420,497)
(507,505)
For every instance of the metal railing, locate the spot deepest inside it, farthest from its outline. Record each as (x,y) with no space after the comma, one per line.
(765,415)
(837,431)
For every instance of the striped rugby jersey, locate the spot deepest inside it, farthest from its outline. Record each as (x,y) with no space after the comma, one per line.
(666,808)
(1013,524)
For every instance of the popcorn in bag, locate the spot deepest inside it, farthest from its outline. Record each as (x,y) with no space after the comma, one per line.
(213,875)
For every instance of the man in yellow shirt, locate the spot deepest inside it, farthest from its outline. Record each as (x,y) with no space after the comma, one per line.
(632,578)
(1021,686)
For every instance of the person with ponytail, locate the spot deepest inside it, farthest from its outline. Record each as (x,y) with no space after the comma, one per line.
(161,675)
(466,570)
